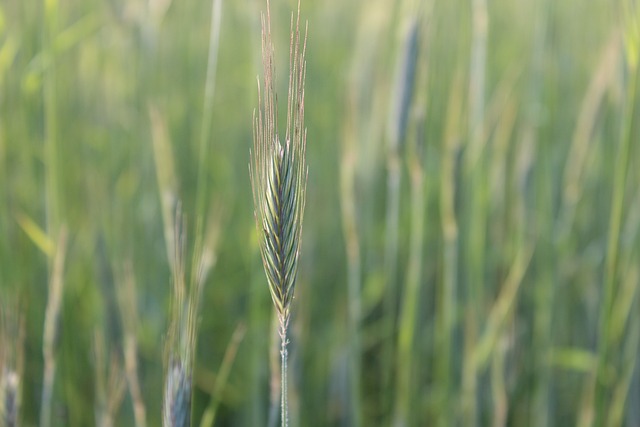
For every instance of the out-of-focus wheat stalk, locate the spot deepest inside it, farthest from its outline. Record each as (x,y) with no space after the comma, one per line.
(52,313)
(278,173)
(400,103)
(447,310)
(352,244)
(127,302)
(410,301)
(207,108)
(630,16)
(110,381)
(475,212)
(209,415)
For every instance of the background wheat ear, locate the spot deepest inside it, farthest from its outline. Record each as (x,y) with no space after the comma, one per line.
(176,406)
(278,173)
(181,337)
(11,362)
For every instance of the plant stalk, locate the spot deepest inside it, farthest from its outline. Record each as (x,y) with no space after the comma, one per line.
(284,407)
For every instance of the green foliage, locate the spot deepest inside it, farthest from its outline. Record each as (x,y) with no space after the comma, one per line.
(518,302)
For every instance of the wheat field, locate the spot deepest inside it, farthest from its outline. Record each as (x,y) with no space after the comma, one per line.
(471,244)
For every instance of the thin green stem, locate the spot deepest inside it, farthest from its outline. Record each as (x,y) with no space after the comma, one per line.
(209,415)
(475,212)
(50,121)
(284,407)
(615,224)
(446,314)
(391,269)
(407,334)
(207,109)
(352,245)
(52,316)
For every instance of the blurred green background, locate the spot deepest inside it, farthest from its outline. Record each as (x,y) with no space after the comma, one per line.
(472,232)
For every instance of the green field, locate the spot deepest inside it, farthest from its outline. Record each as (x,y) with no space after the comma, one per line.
(471,242)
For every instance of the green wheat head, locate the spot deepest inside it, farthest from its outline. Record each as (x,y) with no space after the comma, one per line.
(279,171)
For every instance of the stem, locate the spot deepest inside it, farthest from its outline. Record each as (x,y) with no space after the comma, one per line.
(611,279)
(52,314)
(230,353)
(131,368)
(545,257)
(407,327)
(275,369)
(283,376)
(447,299)
(391,268)
(52,208)
(352,244)
(49,93)
(475,212)
(207,108)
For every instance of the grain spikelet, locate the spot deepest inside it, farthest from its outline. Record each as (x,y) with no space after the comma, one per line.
(181,338)
(279,171)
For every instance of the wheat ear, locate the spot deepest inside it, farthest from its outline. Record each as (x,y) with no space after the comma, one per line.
(181,338)
(11,360)
(279,178)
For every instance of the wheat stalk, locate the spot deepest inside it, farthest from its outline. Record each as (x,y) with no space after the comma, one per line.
(127,302)
(278,178)
(110,381)
(51,324)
